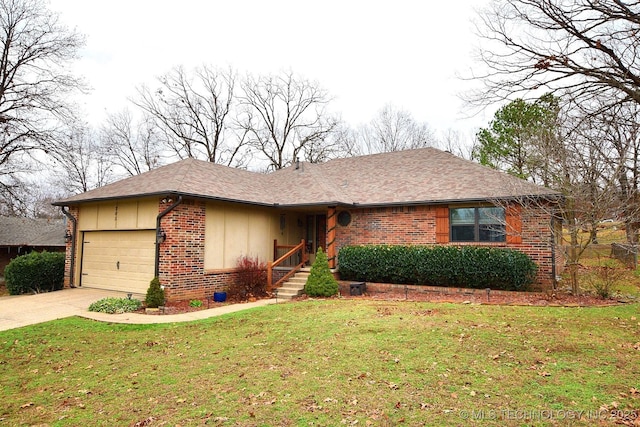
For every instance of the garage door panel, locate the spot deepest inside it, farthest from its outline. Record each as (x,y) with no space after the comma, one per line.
(118,260)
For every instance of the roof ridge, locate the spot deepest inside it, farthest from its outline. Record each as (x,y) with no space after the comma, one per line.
(333,189)
(190,163)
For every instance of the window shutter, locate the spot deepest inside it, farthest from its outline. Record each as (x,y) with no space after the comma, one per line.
(442,224)
(513,216)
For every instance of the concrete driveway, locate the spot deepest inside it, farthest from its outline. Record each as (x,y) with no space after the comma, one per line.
(23,310)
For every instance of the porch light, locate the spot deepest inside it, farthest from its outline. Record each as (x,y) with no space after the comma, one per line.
(67,236)
(161,236)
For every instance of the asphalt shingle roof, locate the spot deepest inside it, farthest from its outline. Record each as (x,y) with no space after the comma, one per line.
(31,232)
(425,175)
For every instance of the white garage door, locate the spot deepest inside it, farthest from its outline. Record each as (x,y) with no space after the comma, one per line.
(118,260)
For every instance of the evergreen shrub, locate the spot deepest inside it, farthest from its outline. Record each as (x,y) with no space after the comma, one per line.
(155,294)
(35,272)
(321,282)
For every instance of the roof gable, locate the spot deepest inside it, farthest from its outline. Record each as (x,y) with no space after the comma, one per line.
(426,175)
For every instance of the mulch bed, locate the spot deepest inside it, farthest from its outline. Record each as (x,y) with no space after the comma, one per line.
(504,298)
(390,292)
(538,299)
(184,306)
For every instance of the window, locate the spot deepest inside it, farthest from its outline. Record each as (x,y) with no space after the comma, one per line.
(477,224)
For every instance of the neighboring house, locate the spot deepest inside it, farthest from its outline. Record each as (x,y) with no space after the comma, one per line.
(189,222)
(19,236)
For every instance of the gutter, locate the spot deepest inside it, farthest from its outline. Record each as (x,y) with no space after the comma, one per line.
(72,264)
(159,230)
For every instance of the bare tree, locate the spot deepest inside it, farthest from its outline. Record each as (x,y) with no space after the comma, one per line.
(34,81)
(81,162)
(579,173)
(193,113)
(285,117)
(395,129)
(131,145)
(586,51)
(561,151)
(14,200)
(32,198)
(586,48)
(452,141)
(616,136)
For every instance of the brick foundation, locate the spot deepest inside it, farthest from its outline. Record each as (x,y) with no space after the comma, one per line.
(390,288)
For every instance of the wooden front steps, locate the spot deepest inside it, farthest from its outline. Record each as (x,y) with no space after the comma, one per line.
(294,286)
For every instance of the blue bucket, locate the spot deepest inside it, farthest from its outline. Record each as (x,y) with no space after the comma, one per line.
(219,296)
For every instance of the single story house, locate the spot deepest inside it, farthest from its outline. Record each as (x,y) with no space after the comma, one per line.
(190,221)
(19,236)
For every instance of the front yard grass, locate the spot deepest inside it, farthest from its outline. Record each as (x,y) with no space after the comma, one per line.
(333,362)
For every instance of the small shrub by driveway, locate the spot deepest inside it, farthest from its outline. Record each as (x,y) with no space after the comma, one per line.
(115,305)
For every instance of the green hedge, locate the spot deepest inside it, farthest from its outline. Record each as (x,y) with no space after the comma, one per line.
(35,272)
(466,266)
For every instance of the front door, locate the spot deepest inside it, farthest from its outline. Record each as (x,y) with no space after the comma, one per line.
(321,232)
(316,235)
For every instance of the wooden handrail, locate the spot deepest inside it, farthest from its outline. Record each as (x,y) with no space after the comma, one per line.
(271,264)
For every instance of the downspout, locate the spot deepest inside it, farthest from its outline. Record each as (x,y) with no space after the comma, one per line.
(554,282)
(72,264)
(158,228)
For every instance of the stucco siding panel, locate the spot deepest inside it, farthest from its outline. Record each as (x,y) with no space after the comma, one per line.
(233,231)
(123,215)
(214,238)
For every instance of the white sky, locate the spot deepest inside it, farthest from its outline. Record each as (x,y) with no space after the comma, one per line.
(365,53)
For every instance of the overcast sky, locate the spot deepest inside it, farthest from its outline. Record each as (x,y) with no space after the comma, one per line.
(365,53)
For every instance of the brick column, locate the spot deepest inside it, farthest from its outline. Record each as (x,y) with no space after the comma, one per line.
(332,217)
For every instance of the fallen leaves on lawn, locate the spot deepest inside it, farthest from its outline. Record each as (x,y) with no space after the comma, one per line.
(143,423)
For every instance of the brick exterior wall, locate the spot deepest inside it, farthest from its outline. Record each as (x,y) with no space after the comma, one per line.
(402,225)
(181,267)
(537,242)
(416,225)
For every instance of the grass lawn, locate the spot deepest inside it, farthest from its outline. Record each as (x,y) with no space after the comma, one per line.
(333,362)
